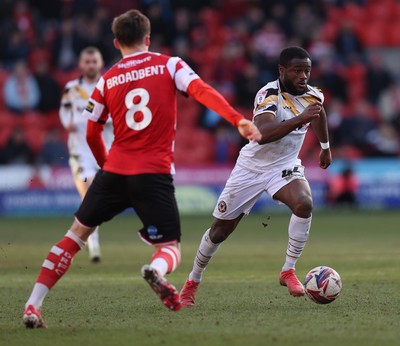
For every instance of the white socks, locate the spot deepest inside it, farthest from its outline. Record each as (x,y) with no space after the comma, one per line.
(299,229)
(38,294)
(204,253)
(94,244)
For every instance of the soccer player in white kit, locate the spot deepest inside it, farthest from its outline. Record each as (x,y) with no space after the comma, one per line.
(283,111)
(74,100)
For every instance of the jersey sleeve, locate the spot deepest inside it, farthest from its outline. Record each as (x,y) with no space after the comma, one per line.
(212,99)
(266,100)
(181,73)
(95,109)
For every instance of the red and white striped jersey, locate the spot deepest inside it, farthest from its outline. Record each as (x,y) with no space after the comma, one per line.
(139,92)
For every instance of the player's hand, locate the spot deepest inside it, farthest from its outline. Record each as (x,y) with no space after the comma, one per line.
(311,112)
(248,130)
(325,158)
(71,128)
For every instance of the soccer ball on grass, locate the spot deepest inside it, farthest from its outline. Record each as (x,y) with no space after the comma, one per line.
(322,285)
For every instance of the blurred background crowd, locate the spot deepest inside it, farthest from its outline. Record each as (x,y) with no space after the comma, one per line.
(232,44)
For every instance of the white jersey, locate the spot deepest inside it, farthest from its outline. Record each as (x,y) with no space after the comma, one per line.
(74,101)
(283,153)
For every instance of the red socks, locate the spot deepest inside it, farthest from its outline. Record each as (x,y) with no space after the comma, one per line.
(59,259)
(170,254)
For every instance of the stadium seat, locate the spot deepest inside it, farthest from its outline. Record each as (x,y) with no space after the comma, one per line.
(392,33)
(372,33)
(194,147)
(8,122)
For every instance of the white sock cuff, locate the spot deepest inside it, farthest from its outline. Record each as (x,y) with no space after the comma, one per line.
(295,218)
(75,238)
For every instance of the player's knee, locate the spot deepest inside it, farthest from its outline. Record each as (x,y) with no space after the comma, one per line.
(303,207)
(219,234)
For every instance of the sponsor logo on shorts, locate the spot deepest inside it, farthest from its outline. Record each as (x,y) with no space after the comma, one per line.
(222,207)
(90,107)
(152,231)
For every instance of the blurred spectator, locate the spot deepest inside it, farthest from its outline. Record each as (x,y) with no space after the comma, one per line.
(183,20)
(266,46)
(54,150)
(383,141)
(389,105)
(378,77)
(320,49)
(342,189)
(227,144)
(355,126)
(50,91)
(347,42)
(21,92)
(162,25)
(16,150)
(305,22)
(16,48)
(335,112)
(279,13)
(254,18)
(331,82)
(66,46)
(247,84)
(22,19)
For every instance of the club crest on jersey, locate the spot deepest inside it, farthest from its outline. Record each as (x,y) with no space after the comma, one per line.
(90,107)
(152,231)
(222,207)
(261,96)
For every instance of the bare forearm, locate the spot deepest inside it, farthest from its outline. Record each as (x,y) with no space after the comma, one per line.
(271,132)
(320,127)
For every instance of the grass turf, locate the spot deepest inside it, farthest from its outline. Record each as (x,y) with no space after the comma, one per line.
(239,301)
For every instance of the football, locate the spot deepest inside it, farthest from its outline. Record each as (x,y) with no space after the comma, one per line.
(322,285)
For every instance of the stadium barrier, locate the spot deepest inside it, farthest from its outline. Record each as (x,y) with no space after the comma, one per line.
(44,190)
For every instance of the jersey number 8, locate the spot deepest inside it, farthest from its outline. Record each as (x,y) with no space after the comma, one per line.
(140,106)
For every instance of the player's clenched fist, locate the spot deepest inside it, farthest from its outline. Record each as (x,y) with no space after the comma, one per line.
(311,112)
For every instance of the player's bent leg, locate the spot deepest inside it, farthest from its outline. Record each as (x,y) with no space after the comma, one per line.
(164,261)
(297,196)
(53,268)
(209,245)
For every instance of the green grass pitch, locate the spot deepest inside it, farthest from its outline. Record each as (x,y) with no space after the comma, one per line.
(239,301)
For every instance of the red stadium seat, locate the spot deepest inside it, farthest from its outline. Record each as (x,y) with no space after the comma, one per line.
(372,33)
(392,34)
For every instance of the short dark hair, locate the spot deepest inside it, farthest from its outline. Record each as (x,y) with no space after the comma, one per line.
(89,50)
(130,27)
(290,53)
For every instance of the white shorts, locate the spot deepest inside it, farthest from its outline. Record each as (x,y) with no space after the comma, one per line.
(83,167)
(244,188)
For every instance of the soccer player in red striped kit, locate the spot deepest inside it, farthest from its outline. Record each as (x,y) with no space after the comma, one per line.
(139,93)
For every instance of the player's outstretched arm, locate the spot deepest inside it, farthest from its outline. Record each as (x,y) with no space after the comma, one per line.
(96,142)
(211,98)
